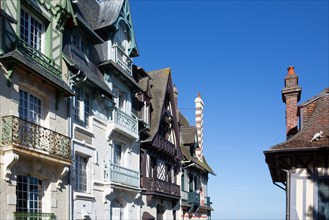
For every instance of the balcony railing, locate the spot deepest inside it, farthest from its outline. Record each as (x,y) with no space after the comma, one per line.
(121,175)
(193,197)
(207,201)
(125,120)
(153,184)
(22,133)
(37,56)
(34,216)
(122,59)
(165,145)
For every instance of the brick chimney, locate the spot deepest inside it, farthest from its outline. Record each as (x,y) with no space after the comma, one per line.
(199,124)
(291,96)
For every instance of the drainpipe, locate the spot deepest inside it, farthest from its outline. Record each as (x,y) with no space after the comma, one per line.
(287,194)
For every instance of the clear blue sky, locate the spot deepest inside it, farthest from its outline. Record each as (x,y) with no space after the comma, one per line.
(236,54)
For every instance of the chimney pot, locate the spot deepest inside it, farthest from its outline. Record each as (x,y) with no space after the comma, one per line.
(291,70)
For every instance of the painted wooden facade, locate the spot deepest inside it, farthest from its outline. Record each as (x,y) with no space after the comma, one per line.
(35,153)
(300,165)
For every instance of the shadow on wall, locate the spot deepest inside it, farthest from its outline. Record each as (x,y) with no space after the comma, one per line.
(322,211)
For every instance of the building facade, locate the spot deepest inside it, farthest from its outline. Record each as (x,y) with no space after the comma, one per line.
(35,152)
(195,199)
(160,152)
(84,133)
(105,138)
(300,164)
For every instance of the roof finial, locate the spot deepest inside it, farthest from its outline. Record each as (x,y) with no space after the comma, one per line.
(291,70)
(199,96)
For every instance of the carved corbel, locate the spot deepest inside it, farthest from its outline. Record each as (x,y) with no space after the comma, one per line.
(9,162)
(60,181)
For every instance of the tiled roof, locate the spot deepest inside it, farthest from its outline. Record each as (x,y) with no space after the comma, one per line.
(315,118)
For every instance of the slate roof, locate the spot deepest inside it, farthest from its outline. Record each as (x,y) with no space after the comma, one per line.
(158,90)
(315,117)
(188,134)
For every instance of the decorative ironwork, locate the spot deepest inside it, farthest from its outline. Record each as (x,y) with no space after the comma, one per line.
(19,132)
(122,59)
(125,120)
(39,57)
(121,174)
(34,216)
(153,184)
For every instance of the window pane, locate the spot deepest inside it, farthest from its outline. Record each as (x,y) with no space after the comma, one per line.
(323,205)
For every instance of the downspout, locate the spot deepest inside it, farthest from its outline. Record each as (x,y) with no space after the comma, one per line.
(287,194)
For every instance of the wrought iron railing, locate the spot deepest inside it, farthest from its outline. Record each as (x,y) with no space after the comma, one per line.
(37,56)
(119,174)
(154,184)
(122,59)
(125,120)
(22,133)
(34,216)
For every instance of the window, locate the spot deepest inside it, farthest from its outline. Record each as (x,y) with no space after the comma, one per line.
(323,199)
(80,43)
(30,30)
(120,100)
(28,194)
(117,154)
(146,112)
(81,173)
(81,105)
(29,107)
(161,170)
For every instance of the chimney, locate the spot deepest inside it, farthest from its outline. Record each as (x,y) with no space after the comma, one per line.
(176,101)
(199,124)
(291,96)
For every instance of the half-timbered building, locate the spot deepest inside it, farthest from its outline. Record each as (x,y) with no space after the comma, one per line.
(161,153)
(300,165)
(195,199)
(35,153)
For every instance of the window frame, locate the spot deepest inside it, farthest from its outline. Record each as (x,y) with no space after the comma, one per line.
(29,41)
(30,186)
(81,174)
(81,95)
(28,109)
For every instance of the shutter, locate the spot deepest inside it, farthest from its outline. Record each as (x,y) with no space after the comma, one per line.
(116,214)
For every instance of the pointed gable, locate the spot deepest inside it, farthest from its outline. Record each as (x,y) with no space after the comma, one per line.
(163,106)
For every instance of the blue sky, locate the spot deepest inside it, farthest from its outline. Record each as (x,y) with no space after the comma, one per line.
(236,54)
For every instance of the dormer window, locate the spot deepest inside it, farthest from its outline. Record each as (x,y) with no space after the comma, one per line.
(80,43)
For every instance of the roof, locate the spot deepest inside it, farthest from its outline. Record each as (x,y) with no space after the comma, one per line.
(188,134)
(183,120)
(90,71)
(108,13)
(316,111)
(158,91)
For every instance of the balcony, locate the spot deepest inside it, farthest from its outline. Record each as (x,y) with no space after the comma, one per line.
(34,216)
(125,123)
(160,187)
(194,198)
(164,145)
(38,57)
(207,201)
(23,134)
(121,175)
(121,58)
